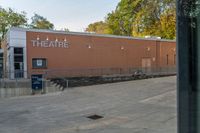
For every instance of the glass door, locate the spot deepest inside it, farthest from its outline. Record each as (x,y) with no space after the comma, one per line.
(18,62)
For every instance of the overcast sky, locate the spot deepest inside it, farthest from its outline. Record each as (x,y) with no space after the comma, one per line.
(72,14)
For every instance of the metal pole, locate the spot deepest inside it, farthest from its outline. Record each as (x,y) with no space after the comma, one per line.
(43,91)
(188,78)
(67,83)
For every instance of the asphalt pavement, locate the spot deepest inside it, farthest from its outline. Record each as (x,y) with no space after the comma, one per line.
(142,106)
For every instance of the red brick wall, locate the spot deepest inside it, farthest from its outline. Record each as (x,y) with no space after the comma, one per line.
(105,52)
(167,48)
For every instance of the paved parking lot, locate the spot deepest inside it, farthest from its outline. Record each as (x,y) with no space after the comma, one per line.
(143,106)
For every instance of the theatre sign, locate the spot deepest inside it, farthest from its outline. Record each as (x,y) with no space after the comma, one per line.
(50,44)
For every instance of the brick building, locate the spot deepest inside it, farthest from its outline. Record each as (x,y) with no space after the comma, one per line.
(38,51)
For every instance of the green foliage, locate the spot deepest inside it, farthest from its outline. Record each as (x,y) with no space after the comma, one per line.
(168,24)
(39,22)
(10,18)
(156,18)
(98,27)
(120,21)
(141,18)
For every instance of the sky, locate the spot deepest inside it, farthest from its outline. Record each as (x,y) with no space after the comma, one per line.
(75,15)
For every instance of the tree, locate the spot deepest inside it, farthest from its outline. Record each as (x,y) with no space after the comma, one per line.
(39,22)
(121,20)
(143,17)
(168,24)
(10,18)
(65,29)
(156,18)
(98,27)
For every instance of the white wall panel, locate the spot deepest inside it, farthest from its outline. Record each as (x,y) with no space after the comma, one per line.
(16,38)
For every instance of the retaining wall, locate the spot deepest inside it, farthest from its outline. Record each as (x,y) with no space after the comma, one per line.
(23,88)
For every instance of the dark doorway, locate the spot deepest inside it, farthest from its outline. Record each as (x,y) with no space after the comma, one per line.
(19,62)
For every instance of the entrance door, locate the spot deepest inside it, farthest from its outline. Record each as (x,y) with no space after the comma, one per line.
(18,62)
(146,65)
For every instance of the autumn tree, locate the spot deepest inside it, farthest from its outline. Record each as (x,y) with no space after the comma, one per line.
(168,23)
(143,17)
(156,18)
(120,21)
(39,22)
(98,27)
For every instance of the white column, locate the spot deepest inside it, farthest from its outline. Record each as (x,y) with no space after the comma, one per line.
(11,63)
(25,62)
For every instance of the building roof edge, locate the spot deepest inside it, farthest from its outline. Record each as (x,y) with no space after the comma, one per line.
(86,34)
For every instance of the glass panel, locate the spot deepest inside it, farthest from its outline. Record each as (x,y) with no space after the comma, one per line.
(18,50)
(17,66)
(18,58)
